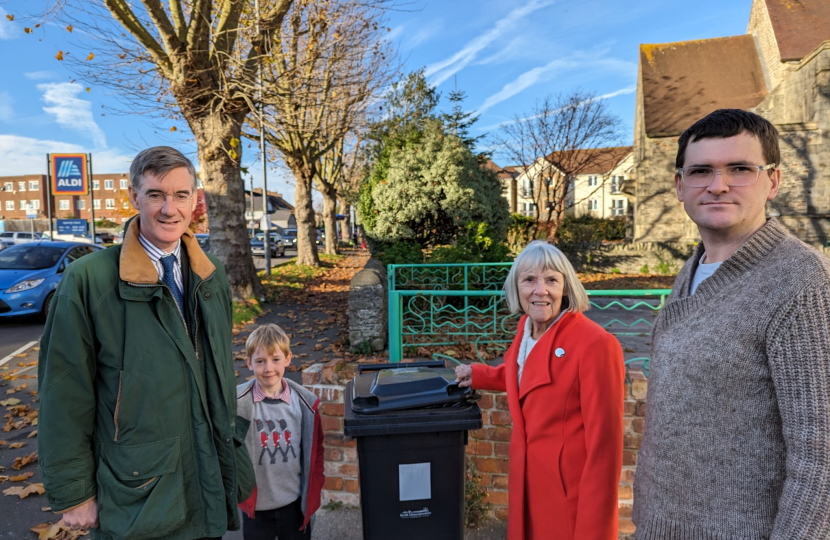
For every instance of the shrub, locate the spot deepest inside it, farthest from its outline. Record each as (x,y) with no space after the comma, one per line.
(590,230)
(106,223)
(476,245)
(398,253)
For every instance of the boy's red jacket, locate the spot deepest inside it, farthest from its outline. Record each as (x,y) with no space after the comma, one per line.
(313,476)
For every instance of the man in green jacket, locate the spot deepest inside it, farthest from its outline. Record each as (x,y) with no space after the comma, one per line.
(139,436)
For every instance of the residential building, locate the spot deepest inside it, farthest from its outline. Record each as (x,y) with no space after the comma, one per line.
(507,179)
(780,69)
(598,190)
(280,212)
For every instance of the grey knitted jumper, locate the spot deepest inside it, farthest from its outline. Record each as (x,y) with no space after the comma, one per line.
(737,434)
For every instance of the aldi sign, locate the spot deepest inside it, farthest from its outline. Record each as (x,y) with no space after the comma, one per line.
(69,174)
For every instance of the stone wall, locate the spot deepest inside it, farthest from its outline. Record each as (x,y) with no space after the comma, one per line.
(368,306)
(489,446)
(630,257)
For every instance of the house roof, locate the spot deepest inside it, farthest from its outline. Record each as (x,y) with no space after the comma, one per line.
(598,160)
(501,173)
(799,25)
(683,82)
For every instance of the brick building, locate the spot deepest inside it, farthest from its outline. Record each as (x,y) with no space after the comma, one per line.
(108,198)
(780,69)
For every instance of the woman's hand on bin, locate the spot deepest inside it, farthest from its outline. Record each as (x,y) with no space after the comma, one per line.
(464,375)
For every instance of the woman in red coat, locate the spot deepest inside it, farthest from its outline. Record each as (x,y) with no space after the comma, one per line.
(563,375)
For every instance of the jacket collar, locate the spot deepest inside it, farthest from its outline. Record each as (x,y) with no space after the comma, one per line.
(135,265)
(307,397)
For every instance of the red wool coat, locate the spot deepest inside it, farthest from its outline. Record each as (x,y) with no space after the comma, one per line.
(567,440)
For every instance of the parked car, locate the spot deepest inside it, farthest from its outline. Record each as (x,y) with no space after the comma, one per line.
(19,237)
(289,238)
(204,241)
(275,241)
(30,272)
(118,237)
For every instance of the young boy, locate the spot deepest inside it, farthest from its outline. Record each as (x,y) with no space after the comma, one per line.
(285,442)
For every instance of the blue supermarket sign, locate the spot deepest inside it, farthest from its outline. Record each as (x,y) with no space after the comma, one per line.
(69,174)
(75,227)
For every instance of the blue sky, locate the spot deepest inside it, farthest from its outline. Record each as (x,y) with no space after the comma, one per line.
(504,54)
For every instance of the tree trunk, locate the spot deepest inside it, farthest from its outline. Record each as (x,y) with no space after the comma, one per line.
(225,197)
(346,226)
(330,218)
(304,212)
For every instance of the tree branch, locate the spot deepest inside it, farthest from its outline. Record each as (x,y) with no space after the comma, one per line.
(123,14)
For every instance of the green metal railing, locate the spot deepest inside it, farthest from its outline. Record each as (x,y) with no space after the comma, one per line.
(443,305)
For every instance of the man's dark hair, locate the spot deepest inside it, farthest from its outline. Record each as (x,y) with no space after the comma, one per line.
(725,123)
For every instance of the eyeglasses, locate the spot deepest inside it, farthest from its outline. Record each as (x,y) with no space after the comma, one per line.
(157,198)
(734,175)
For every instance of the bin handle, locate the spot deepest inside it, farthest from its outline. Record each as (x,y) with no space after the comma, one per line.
(363,368)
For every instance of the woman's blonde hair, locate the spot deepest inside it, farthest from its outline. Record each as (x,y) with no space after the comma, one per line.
(541,255)
(269,336)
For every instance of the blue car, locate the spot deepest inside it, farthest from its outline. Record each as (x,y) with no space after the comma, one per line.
(30,273)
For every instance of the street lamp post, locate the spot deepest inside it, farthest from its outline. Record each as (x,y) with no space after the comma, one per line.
(266,226)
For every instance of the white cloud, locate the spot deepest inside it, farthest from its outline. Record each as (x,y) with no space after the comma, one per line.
(39,75)
(8,29)
(579,60)
(394,33)
(516,48)
(6,109)
(26,155)
(71,112)
(629,90)
(448,67)
(423,35)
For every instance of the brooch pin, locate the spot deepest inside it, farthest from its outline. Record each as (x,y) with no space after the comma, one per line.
(560,352)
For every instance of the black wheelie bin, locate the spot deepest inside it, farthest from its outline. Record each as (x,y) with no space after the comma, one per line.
(410,421)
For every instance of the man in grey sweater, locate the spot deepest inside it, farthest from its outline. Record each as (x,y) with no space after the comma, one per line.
(737,434)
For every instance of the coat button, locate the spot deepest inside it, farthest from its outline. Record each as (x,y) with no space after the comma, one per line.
(560,352)
(135,473)
(207,295)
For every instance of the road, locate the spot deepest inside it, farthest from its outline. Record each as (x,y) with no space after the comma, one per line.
(17,332)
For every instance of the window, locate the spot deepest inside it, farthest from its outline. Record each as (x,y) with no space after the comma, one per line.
(593,181)
(527,188)
(63,205)
(110,204)
(616,183)
(108,184)
(9,205)
(22,205)
(593,204)
(96,204)
(125,205)
(96,184)
(8,186)
(34,185)
(125,183)
(35,204)
(80,204)
(618,207)
(21,186)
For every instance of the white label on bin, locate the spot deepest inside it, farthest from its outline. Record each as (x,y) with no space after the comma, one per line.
(414,482)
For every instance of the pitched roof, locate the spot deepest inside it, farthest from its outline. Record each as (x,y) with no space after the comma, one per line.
(501,173)
(799,25)
(683,82)
(597,160)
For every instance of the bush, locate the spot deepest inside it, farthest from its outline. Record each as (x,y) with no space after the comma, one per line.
(476,245)
(106,223)
(521,232)
(398,253)
(590,230)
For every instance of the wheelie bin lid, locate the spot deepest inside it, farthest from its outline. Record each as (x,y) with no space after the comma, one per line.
(408,398)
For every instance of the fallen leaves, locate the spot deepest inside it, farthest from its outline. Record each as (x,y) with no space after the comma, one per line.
(20,462)
(58,531)
(32,434)
(20,477)
(13,446)
(25,491)
(17,389)
(10,401)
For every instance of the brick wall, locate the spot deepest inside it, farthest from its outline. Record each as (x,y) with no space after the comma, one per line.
(488,446)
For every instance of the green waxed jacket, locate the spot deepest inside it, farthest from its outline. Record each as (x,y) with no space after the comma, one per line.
(137,402)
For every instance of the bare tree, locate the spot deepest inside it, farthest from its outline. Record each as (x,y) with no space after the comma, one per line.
(190,59)
(327,62)
(561,138)
(340,172)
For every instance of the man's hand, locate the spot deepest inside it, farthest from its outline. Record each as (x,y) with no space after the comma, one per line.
(464,375)
(84,516)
